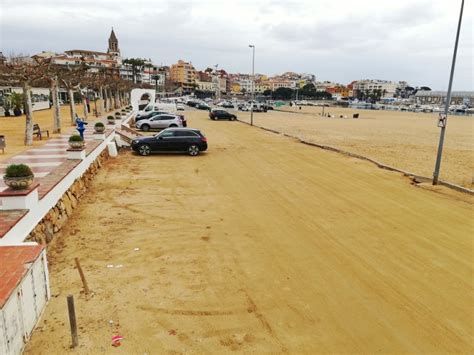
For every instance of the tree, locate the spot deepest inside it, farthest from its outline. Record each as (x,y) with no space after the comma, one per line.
(25,72)
(51,75)
(72,77)
(137,65)
(308,91)
(283,94)
(267,92)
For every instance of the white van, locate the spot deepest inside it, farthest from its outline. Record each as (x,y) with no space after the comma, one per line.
(159,106)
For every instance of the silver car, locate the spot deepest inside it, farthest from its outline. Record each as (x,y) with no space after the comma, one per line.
(160,122)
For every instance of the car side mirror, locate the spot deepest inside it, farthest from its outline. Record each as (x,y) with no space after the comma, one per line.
(160,137)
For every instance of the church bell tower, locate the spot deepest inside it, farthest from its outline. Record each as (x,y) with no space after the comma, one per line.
(113,45)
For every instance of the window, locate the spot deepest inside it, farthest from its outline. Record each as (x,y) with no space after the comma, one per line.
(184,134)
(167,134)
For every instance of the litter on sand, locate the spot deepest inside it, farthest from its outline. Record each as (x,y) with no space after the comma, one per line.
(110,266)
(136,249)
(116,340)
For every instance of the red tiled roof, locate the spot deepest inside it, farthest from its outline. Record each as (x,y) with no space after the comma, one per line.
(13,260)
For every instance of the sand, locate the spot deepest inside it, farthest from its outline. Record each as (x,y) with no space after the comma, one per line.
(405,140)
(261,245)
(13,128)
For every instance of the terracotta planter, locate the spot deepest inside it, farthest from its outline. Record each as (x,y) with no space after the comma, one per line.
(111,120)
(18,183)
(99,129)
(76,145)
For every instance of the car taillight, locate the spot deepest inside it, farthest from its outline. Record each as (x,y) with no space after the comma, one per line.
(204,139)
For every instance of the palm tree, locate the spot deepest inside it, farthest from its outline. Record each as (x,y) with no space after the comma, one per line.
(137,64)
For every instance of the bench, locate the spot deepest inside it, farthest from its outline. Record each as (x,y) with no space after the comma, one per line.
(2,143)
(39,133)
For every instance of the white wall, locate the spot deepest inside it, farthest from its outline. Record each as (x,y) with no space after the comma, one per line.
(136,94)
(23,309)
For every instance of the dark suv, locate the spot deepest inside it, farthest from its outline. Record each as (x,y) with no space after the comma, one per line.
(221,114)
(173,140)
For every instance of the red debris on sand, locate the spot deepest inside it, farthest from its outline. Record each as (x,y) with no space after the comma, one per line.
(116,340)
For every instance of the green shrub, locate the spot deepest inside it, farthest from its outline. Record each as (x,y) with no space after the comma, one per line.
(117,113)
(18,170)
(75,138)
(99,124)
(17,100)
(110,117)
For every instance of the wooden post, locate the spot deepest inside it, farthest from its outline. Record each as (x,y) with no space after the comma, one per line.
(72,320)
(84,282)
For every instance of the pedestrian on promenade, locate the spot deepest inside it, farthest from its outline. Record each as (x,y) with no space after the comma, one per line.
(80,126)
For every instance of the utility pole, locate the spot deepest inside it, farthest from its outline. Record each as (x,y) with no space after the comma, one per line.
(217,82)
(253,83)
(443,118)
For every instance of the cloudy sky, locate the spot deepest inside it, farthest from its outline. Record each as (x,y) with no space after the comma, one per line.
(339,41)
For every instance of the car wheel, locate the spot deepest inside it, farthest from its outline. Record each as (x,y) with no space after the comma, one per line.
(232,118)
(193,150)
(144,150)
(145,128)
(173,125)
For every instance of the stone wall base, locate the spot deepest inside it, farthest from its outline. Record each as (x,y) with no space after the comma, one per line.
(55,219)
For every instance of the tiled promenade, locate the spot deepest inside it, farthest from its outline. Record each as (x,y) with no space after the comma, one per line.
(49,164)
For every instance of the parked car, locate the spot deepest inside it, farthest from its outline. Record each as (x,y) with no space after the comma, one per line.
(147,115)
(180,107)
(175,140)
(202,106)
(161,122)
(228,105)
(221,114)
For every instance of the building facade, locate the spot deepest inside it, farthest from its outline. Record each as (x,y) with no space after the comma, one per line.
(387,88)
(183,75)
(423,97)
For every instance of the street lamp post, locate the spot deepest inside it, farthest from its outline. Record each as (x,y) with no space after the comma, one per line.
(253,83)
(444,117)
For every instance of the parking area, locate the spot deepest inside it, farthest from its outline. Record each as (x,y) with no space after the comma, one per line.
(261,244)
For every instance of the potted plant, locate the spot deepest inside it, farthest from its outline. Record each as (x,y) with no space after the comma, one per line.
(76,142)
(18,176)
(99,127)
(110,119)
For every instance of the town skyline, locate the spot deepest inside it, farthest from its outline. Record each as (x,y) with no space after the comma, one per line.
(336,44)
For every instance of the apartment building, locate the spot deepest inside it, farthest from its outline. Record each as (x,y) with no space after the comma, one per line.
(425,97)
(387,88)
(275,83)
(183,75)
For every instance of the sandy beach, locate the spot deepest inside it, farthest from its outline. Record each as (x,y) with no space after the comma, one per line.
(261,245)
(405,140)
